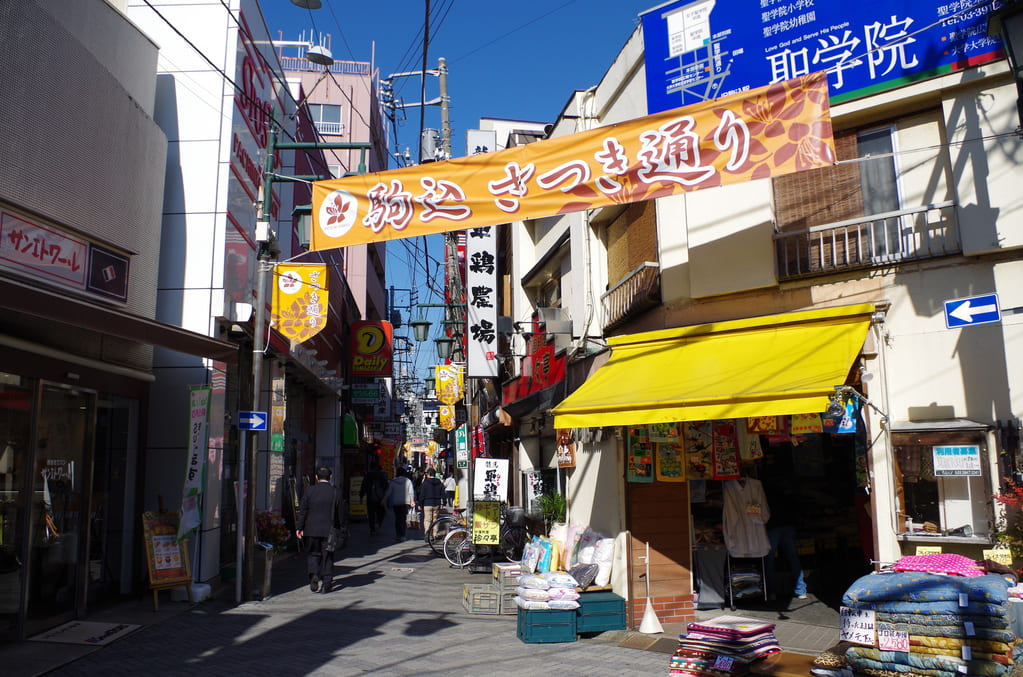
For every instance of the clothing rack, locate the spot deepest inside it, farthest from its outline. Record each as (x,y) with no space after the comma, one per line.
(745,578)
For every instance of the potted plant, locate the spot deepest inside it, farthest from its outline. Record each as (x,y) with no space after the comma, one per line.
(553,507)
(272,529)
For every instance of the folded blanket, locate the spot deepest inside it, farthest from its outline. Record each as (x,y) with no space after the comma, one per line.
(957,643)
(950,622)
(931,608)
(883,673)
(924,664)
(939,563)
(914,586)
(975,655)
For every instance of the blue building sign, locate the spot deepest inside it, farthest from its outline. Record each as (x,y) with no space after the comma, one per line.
(704,49)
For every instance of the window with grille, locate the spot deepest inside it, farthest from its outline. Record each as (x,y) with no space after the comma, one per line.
(326,117)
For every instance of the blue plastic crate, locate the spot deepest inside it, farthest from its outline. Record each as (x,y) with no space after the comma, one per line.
(600,612)
(542,626)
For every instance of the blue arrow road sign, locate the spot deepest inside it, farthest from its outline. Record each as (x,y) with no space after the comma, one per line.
(973,310)
(252,420)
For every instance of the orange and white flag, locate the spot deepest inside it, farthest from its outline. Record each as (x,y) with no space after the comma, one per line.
(299,307)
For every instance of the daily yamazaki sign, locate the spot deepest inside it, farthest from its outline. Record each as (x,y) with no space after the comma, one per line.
(774,130)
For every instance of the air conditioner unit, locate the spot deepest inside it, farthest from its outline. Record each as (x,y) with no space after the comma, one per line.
(556,322)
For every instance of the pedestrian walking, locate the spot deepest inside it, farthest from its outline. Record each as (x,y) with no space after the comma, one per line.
(431,497)
(401,498)
(449,489)
(320,510)
(374,486)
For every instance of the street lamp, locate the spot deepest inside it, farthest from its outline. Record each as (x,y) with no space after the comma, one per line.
(420,328)
(1007,23)
(445,346)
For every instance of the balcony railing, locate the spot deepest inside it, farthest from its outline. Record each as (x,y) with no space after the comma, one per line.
(639,291)
(871,241)
(296,63)
(331,128)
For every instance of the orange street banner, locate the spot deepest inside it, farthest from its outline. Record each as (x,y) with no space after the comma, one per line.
(770,131)
(299,306)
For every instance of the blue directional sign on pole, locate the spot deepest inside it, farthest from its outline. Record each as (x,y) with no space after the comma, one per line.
(252,420)
(972,311)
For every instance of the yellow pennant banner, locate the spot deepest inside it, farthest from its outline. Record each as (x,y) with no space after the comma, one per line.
(447,417)
(450,383)
(299,307)
(770,131)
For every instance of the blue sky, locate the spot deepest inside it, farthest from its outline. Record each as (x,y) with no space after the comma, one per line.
(517,60)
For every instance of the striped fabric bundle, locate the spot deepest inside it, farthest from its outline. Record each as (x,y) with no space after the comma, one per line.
(957,623)
(725,647)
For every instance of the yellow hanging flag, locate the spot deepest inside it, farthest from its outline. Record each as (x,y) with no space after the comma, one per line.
(447,417)
(450,383)
(299,308)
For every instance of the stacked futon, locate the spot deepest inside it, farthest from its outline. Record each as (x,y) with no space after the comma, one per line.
(726,645)
(956,616)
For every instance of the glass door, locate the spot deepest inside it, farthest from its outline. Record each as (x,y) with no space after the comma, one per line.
(15,437)
(112,518)
(60,505)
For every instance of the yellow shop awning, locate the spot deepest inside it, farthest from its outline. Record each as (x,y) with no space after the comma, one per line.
(763,366)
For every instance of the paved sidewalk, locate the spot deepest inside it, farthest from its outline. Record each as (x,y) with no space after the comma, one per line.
(396,610)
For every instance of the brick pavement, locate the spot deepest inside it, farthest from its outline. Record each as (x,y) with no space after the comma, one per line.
(398,611)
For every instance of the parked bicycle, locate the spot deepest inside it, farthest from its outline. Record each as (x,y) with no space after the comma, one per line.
(440,527)
(460,551)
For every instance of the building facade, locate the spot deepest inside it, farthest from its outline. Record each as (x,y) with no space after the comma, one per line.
(907,238)
(83,341)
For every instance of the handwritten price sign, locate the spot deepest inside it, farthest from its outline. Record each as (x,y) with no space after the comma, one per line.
(857,626)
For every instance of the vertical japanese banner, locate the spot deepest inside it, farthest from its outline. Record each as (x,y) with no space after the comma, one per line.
(481,301)
(446,413)
(450,383)
(298,307)
(486,523)
(490,479)
(461,448)
(195,475)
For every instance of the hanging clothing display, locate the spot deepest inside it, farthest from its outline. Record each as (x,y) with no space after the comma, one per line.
(744,515)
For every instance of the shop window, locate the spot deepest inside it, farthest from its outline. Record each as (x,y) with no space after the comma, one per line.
(943,483)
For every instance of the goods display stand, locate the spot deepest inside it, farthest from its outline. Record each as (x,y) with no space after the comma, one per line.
(746,578)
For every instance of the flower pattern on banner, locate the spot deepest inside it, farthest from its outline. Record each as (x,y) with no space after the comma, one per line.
(299,305)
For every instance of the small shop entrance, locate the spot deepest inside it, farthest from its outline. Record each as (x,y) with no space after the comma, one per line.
(813,488)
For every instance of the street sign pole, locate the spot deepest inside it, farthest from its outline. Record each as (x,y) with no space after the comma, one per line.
(238,501)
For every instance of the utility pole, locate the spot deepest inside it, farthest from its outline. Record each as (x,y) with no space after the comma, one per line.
(445,120)
(442,100)
(422,83)
(266,240)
